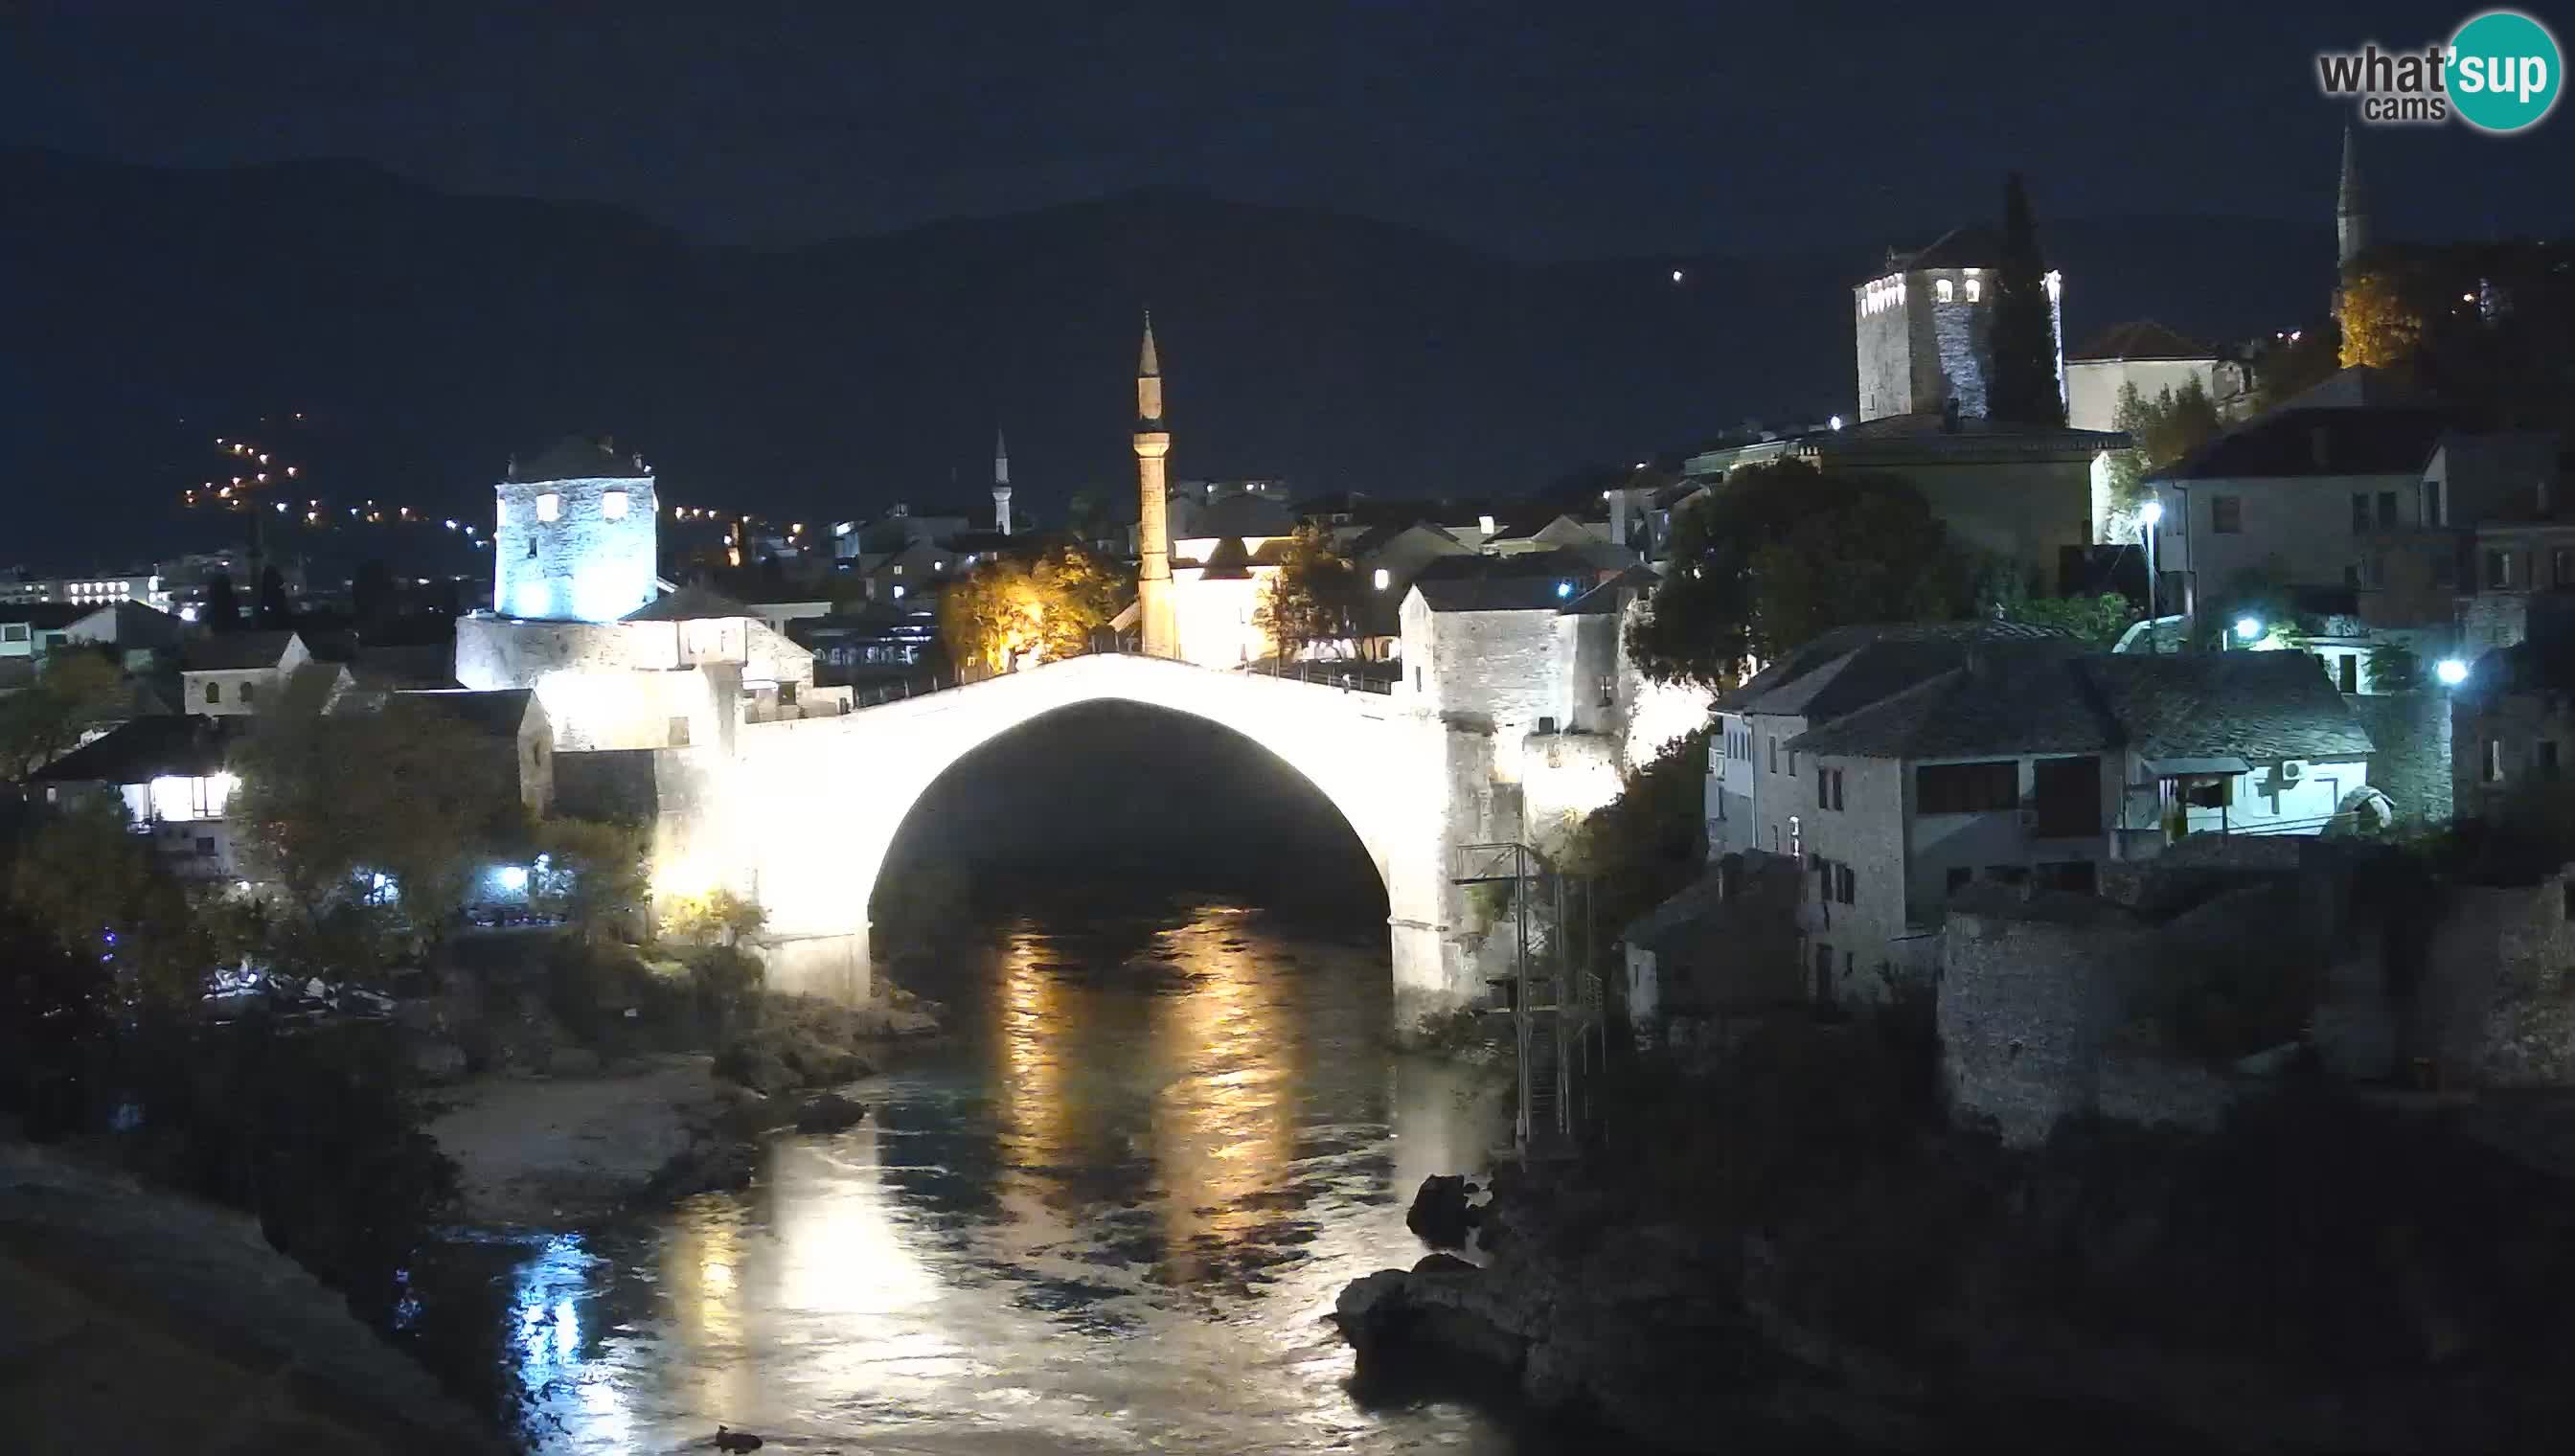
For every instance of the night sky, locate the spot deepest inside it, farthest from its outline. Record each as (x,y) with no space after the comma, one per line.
(1541,131)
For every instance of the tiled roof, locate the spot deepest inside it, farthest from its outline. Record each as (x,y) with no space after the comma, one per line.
(146,748)
(46,615)
(497,711)
(689,604)
(2321,442)
(1971,247)
(1841,641)
(236,652)
(2255,706)
(578,458)
(1493,594)
(2141,338)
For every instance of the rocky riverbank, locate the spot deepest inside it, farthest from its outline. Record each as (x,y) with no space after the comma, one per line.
(2336,1281)
(140,1321)
(593,1139)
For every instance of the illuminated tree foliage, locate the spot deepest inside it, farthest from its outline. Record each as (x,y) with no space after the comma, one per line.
(1782,553)
(89,884)
(2381,324)
(1008,611)
(330,799)
(711,917)
(592,874)
(2161,433)
(1314,597)
(46,720)
(2023,338)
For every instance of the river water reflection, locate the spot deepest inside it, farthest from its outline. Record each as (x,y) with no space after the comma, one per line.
(1106,1214)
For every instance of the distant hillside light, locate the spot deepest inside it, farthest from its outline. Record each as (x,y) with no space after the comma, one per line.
(2451,671)
(2247,628)
(1837,422)
(1677,275)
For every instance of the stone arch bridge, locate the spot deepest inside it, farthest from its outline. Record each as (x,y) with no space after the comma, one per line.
(801,814)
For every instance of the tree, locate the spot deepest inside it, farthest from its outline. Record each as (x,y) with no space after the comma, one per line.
(2099,621)
(1009,610)
(46,720)
(330,800)
(272,599)
(2025,389)
(2161,431)
(2381,324)
(713,918)
(591,873)
(223,606)
(2394,668)
(1783,551)
(90,884)
(1314,597)
(371,597)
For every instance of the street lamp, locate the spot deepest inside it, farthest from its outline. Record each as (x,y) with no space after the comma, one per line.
(2451,671)
(2247,628)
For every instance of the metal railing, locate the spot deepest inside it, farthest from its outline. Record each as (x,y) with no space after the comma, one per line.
(1348,676)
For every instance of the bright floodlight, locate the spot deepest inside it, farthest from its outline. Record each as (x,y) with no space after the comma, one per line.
(513,876)
(1564,589)
(2451,671)
(2152,513)
(1837,421)
(2248,628)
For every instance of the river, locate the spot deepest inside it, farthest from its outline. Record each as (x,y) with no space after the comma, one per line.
(1106,1213)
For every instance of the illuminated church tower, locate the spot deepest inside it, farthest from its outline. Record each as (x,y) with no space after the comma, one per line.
(577,535)
(1160,625)
(1000,484)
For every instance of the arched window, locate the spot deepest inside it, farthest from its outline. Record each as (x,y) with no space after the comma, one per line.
(1946,289)
(549,506)
(214,692)
(1975,289)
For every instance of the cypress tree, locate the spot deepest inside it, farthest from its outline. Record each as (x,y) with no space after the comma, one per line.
(2023,338)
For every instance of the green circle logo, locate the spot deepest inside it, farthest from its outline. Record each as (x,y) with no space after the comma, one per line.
(2504,71)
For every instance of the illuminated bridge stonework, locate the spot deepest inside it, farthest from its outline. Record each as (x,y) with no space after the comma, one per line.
(802,813)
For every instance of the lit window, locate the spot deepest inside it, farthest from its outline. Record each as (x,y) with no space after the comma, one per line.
(1975,289)
(1383,577)
(1946,289)
(612,505)
(549,506)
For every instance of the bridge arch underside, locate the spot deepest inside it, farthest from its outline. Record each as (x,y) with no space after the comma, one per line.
(815,806)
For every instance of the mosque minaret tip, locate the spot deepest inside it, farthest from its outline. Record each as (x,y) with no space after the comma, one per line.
(1000,484)
(1160,627)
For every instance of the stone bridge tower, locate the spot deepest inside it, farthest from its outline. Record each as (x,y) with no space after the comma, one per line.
(1159,625)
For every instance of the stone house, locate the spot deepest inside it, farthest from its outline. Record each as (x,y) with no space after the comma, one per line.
(1722,949)
(2025,494)
(170,774)
(1922,324)
(2512,725)
(2316,497)
(2024,766)
(1753,803)
(514,724)
(234,672)
(2152,358)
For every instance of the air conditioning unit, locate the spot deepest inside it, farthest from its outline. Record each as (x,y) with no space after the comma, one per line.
(2291,770)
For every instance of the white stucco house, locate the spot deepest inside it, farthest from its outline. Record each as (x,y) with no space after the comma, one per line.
(170,772)
(2152,358)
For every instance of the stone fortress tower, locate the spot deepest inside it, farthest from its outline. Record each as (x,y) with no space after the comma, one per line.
(1000,484)
(577,535)
(2352,207)
(1158,622)
(1922,327)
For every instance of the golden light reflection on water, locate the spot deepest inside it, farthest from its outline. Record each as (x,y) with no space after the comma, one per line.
(1224,1124)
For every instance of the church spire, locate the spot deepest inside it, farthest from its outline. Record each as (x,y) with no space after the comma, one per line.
(2352,206)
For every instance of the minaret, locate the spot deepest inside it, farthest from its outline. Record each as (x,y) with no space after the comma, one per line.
(1000,484)
(1160,623)
(2352,206)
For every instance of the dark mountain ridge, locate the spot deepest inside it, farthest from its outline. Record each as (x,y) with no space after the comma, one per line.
(429,335)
